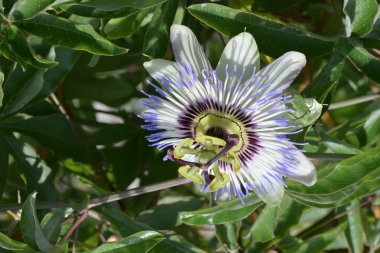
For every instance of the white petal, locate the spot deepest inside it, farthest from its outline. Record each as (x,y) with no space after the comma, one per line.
(187,49)
(162,68)
(281,72)
(241,51)
(274,194)
(306,172)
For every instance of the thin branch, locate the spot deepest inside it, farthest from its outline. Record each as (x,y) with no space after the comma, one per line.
(151,188)
(106,199)
(354,101)
(77,223)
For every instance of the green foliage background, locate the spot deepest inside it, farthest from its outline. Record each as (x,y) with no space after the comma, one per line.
(71,74)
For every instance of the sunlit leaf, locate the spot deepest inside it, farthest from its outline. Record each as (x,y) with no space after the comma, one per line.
(361,16)
(140,242)
(24,9)
(228,211)
(273,38)
(60,31)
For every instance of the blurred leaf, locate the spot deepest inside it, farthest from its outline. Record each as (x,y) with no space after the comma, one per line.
(363,60)
(16,48)
(53,77)
(15,82)
(52,224)
(4,161)
(1,88)
(84,10)
(273,5)
(37,173)
(306,110)
(109,8)
(351,176)
(26,93)
(354,232)
(117,4)
(126,226)
(264,226)
(325,82)
(123,27)
(228,211)
(372,126)
(228,235)
(319,242)
(113,133)
(338,147)
(32,232)
(56,132)
(25,9)
(166,215)
(157,35)
(140,242)
(60,31)
(7,243)
(273,38)
(289,214)
(361,16)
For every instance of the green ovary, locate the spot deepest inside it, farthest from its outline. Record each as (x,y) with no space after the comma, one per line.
(228,124)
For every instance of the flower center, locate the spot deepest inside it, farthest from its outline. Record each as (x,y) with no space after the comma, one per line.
(220,126)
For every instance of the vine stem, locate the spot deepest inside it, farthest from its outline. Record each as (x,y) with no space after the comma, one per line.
(354,101)
(74,227)
(151,188)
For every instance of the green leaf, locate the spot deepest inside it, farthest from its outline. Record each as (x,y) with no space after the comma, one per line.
(123,27)
(329,76)
(361,16)
(228,211)
(84,10)
(228,235)
(4,161)
(117,4)
(289,214)
(37,173)
(110,134)
(10,244)
(60,31)
(126,226)
(28,91)
(52,224)
(273,38)
(53,77)
(56,132)
(16,48)
(372,126)
(319,242)
(354,231)
(24,9)
(140,242)
(109,8)
(263,229)
(352,176)
(363,60)
(157,35)
(32,232)
(15,82)
(1,88)
(166,214)
(273,5)
(338,147)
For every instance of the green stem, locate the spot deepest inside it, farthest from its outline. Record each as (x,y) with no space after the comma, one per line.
(150,188)
(354,101)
